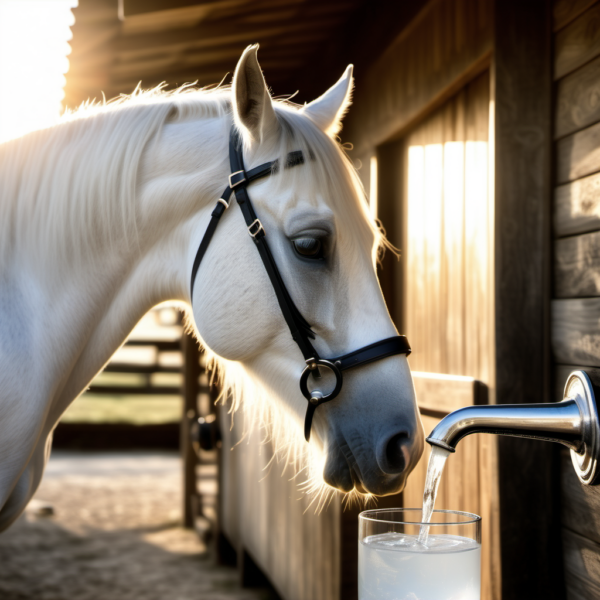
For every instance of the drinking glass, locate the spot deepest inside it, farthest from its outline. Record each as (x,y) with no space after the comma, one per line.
(393,564)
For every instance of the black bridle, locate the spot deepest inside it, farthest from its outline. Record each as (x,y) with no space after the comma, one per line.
(299,328)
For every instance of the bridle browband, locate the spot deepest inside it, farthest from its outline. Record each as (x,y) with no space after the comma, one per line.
(299,328)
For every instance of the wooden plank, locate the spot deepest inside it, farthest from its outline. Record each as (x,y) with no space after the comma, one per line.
(578,154)
(577,103)
(445,393)
(577,266)
(576,331)
(577,43)
(577,206)
(582,566)
(190,391)
(523,142)
(566,11)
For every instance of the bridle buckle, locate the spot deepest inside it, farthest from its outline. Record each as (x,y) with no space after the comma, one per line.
(255,228)
(241,179)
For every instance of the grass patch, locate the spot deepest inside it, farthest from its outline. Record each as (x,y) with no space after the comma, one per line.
(136,410)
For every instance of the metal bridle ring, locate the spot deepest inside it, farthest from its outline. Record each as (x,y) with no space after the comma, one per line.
(317,397)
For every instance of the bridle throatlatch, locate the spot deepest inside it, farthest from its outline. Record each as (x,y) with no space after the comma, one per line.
(299,328)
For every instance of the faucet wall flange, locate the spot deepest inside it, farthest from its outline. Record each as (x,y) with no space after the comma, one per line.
(580,388)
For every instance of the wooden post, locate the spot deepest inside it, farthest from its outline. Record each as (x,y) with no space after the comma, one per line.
(191,388)
(527,470)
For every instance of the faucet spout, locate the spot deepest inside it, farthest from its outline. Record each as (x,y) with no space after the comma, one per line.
(573,423)
(561,422)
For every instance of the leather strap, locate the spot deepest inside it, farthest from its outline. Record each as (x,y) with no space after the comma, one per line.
(382,349)
(299,327)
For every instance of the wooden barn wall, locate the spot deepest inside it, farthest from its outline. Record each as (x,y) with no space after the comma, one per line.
(419,126)
(576,232)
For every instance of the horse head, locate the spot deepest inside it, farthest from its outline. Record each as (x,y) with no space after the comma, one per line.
(325,244)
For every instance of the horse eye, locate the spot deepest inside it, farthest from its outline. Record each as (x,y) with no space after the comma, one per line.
(308,247)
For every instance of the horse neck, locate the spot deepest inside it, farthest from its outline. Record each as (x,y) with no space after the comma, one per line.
(82,301)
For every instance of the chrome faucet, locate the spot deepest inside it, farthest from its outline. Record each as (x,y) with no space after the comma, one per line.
(572,422)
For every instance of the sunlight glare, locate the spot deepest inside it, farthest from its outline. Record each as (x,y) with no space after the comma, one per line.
(34,37)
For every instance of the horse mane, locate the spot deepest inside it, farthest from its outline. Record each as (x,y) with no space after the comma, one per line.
(71,188)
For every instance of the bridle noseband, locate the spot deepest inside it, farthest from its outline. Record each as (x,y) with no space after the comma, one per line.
(299,328)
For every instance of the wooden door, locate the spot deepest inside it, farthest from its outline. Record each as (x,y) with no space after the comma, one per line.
(442,288)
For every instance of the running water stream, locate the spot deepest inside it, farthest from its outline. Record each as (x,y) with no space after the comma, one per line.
(435,468)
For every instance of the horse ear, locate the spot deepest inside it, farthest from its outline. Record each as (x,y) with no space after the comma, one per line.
(328,110)
(252,107)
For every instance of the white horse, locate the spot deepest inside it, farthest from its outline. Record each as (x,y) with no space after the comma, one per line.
(100,219)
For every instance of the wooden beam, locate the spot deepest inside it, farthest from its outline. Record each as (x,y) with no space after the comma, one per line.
(130,8)
(522,87)
(215,35)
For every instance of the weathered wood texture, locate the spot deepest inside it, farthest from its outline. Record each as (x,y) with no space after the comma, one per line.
(580,503)
(577,266)
(576,331)
(582,566)
(526,469)
(566,11)
(447,237)
(431,59)
(577,100)
(576,311)
(577,43)
(577,206)
(578,155)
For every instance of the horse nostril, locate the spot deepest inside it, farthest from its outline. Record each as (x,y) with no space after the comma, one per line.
(392,454)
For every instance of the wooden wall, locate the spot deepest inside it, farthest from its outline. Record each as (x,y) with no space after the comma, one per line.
(576,232)
(434,199)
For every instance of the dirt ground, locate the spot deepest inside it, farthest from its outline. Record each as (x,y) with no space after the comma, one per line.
(114,534)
